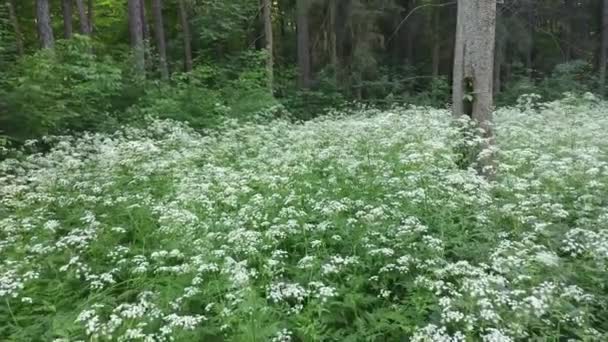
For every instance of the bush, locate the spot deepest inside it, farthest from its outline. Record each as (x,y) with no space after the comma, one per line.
(54,91)
(210,94)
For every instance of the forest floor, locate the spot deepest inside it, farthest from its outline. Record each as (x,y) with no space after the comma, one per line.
(362,227)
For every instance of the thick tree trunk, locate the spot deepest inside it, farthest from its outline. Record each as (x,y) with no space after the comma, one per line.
(136,34)
(66,6)
(267,14)
(83,18)
(43,19)
(16,29)
(604,44)
(303,44)
(473,67)
(159,32)
(183,16)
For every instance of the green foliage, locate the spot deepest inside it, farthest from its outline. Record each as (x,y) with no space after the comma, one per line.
(358,227)
(210,94)
(53,91)
(573,77)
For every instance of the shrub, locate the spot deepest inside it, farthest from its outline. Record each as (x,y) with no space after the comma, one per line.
(58,90)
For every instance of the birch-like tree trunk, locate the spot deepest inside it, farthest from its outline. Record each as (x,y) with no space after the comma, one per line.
(159,33)
(43,20)
(473,66)
(183,17)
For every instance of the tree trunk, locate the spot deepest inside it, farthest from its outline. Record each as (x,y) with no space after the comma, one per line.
(159,32)
(498,60)
(66,6)
(17,30)
(569,34)
(144,22)
(267,13)
(136,34)
(333,52)
(411,33)
(303,44)
(43,18)
(183,16)
(90,17)
(436,58)
(473,67)
(531,32)
(604,44)
(83,18)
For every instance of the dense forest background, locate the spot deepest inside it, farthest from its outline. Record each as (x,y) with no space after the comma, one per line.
(92,65)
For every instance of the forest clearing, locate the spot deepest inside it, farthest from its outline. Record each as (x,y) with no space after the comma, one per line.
(346,228)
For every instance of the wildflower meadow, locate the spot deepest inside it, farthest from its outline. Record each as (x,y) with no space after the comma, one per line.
(367,225)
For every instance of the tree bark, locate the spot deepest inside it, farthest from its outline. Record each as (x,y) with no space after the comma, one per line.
(16,29)
(604,44)
(83,18)
(531,32)
(136,34)
(45,30)
(159,32)
(66,6)
(436,58)
(333,51)
(267,13)
(144,22)
(303,44)
(90,17)
(473,67)
(569,34)
(498,60)
(183,16)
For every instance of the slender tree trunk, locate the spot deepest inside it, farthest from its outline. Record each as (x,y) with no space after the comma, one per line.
(303,44)
(411,33)
(531,32)
(159,31)
(66,6)
(17,30)
(473,68)
(267,13)
(183,16)
(498,61)
(333,51)
(144,25)
(45,30)
(436,58)
(569,34)
(604,44)
(83,18)
(136,34)
(90,17)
